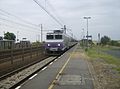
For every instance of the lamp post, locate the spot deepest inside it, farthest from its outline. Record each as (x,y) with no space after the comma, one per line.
(87,18)
(83,38)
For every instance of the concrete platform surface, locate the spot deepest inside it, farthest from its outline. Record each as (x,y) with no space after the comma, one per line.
(70,71)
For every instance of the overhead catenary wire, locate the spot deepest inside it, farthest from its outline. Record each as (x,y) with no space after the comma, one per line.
(23,29)
(36,1)
(7,14)
(15,25)
(54,10)
(24,21)
(24,32)
(18,23)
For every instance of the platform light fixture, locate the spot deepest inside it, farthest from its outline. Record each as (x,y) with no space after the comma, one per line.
(87,18)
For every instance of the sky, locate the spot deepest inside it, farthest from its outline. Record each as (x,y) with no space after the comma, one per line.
(105,17)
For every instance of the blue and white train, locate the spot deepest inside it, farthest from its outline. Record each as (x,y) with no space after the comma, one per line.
(57,42)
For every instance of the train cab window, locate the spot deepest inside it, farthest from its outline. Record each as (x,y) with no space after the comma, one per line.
(58,36)
(50,37)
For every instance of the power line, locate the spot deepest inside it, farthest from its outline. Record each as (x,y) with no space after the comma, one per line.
(24,29)
(54,10)
(9,14)
(26,33)
(48,13)
(19,23)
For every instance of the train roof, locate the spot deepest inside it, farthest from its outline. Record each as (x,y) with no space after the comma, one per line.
(56,32)
(53,33)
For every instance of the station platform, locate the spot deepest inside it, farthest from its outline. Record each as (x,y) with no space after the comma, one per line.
(74,74)
(69,71)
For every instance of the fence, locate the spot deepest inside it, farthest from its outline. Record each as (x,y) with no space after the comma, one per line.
(22,53)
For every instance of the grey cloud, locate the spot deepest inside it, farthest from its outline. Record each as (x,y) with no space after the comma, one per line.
(105,14)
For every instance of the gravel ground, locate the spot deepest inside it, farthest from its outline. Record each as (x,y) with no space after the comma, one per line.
(108,78)
(104,74)
(14,79)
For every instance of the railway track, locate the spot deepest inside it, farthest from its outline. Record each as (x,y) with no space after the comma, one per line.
(17,77)
(17,59)
(13,79)
(9,73)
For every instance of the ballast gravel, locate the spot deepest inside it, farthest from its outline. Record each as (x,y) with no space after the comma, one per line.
(17,77)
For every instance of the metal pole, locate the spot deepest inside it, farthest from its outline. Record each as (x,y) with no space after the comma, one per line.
(65,29)
(83,38)
(98,42)
(87,33)
(87,29)
(41,33)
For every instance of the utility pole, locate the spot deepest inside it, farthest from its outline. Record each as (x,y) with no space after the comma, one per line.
(87,29)
(65,29)
(83,38)
(99,38)
(41,33)
(98,42)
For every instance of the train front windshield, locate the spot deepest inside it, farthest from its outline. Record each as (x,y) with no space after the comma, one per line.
(58,36)
(54,37)
(50,37)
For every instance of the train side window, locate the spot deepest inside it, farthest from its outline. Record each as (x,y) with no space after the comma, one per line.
(50,37)
(58,36)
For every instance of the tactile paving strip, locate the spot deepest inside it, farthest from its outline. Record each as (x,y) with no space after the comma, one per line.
(70,80)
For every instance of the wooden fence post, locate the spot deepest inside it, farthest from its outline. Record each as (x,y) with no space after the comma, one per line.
(22,53)
(11,55)
(30,51)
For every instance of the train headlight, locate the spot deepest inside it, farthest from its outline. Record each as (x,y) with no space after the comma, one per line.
(48,44)
(58,44)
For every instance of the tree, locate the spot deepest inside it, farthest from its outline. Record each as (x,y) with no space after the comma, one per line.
(9,36)
(114,43)
(37,43)
(105,40)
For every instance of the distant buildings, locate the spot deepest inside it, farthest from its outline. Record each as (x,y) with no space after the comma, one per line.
(7,44)
(10,44)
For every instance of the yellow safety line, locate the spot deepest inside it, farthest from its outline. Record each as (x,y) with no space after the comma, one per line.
(61,70)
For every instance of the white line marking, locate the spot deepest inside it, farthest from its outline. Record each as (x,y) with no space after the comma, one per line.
(61,70)
(63,54)
(51,63)
(59,57)
(44,68)
(55,59)
(33,76)
(18,87)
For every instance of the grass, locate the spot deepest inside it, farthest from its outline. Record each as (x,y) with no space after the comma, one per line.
(94,53)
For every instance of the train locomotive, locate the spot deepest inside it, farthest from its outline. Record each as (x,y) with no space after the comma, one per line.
(57,42)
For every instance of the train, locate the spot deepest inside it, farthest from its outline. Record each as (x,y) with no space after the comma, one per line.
(58,42)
